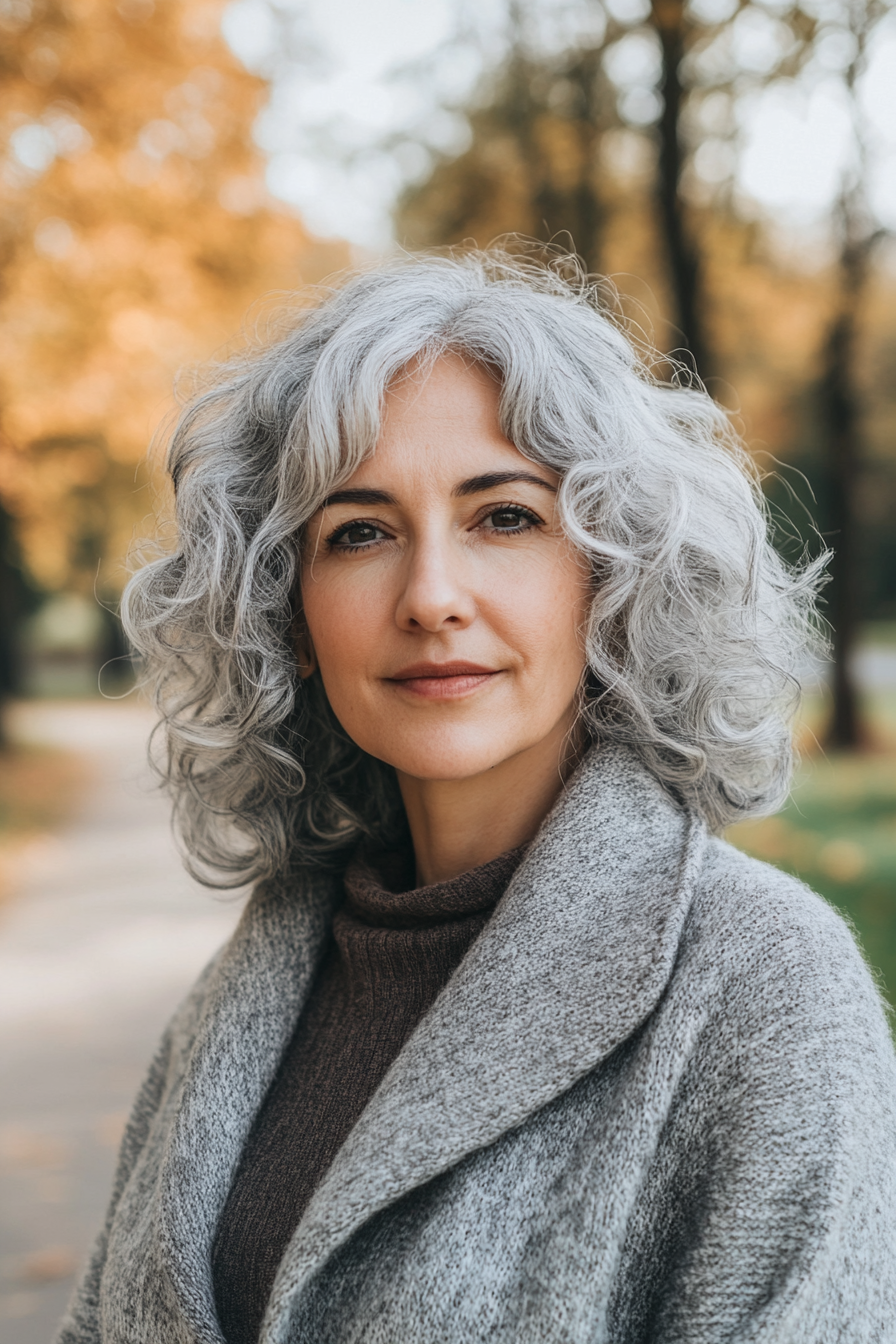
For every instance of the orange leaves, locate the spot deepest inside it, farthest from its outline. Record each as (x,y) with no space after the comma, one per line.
(137,231)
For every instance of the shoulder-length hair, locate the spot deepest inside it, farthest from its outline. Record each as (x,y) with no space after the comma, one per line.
(698,631)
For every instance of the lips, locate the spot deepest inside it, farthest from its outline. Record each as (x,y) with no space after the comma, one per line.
(443,681)
(430,670)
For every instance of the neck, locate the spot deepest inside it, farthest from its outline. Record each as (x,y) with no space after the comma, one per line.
(459,824)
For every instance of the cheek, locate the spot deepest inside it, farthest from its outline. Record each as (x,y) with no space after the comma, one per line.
(343,615)
(544,615)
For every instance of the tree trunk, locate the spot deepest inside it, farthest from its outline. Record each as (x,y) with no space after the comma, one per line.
(670,24)
(10,583)
(841,428)
(586,206)
(575,211)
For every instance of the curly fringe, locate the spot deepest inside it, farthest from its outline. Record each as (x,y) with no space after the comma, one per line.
(699,633)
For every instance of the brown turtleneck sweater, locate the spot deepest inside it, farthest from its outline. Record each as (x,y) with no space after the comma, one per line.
(390,953)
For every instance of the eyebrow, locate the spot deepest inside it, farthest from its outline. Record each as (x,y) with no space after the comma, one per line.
(474,486)
(358,497)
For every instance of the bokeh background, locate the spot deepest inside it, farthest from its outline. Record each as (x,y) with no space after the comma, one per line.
(170,170)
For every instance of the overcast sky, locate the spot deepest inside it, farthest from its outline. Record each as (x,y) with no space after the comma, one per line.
(335,98)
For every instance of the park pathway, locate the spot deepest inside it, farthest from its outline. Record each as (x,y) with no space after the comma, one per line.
(100,936)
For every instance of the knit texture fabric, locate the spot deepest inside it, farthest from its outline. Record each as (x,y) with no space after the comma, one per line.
(391,951)
(654,1104)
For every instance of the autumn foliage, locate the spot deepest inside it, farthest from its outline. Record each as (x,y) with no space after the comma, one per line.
(136,231)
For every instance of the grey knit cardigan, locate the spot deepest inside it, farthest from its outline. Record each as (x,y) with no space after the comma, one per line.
(656,1102)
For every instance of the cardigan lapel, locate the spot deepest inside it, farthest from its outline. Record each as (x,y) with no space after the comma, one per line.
(573,960)
(253,999)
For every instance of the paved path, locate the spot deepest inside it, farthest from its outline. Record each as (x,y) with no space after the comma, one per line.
(102,934)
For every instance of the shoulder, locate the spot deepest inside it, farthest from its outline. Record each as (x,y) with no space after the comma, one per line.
(744,902)
(275,944)
(183,1025)
(784,1036)
(213,983)
(785,965)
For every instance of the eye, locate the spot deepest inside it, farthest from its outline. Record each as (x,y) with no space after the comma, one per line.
(355,536)
(510,518)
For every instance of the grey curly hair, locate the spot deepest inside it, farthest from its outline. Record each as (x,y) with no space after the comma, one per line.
(698,631)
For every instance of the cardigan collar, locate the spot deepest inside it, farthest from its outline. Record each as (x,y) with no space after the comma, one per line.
(574,959)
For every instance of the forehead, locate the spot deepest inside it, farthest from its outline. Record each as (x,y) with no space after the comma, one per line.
(441,420)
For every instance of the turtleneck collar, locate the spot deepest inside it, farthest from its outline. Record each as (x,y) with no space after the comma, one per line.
(379,890)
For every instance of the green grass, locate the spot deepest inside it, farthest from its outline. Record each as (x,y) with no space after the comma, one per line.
(838,833)
(879,633)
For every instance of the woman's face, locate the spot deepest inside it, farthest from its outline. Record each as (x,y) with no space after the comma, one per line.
(443,602)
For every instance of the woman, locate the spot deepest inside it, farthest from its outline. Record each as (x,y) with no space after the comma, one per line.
(472,642)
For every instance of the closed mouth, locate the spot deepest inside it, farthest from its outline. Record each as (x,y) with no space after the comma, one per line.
(443,681)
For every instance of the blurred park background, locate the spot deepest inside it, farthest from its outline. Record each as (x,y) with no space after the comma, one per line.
(170,170)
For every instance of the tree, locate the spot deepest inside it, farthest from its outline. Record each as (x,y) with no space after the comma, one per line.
(670,80)
(136,231)
(550,136)
(14,596)
(533,163)
(671,23)
(840,394)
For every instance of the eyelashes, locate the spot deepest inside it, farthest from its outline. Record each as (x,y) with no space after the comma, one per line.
(363,534)
(344,540)
(522,519)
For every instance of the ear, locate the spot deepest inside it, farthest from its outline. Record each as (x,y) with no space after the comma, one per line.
(306,658)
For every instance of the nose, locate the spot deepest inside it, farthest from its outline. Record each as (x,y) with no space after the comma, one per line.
(434,595)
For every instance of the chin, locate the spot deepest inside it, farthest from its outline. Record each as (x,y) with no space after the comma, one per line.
(438,758)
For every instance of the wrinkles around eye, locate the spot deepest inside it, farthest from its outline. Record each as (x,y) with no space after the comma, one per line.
(523,519)
(341,538)
(368,534)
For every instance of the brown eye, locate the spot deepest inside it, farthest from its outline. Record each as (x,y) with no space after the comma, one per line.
(511,519)
(506,518)
(353,535)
